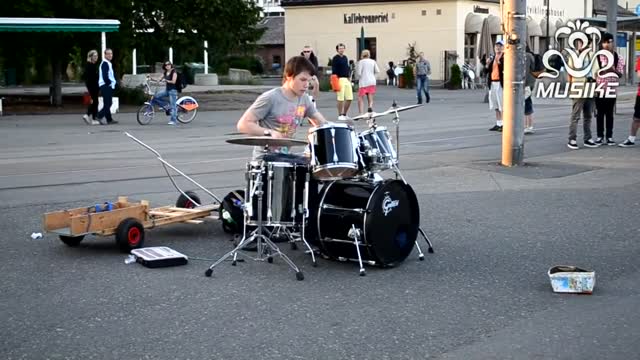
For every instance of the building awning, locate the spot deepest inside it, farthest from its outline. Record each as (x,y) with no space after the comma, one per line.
(624,23)
(495,28)
(533,28)
(473,23)
(58,25)
(543,28)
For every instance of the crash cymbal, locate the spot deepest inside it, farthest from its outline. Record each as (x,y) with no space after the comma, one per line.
(391,110)
(266,141)
(367,116)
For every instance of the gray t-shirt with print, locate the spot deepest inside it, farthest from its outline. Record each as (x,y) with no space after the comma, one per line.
(276,112)
(423,67)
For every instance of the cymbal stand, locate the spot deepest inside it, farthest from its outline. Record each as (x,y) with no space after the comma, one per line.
(257,235)
(355,234)
(396,121)
(305,216)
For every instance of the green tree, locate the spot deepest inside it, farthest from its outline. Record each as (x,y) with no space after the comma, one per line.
(184,25)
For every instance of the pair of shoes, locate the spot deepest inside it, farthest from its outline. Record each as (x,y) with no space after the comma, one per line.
(419,101)
(590,144)
(627,143)
(95,122)
(428,100)
(610,142)
(342,118)
(86,119)
(573,145)
(172,123)
(167,112)
(529,130)
(103,122)
(496,128)
(369,110)
(598,141)
(112,122)
(499,129)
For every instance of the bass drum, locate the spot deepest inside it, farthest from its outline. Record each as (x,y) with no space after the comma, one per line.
(386,214)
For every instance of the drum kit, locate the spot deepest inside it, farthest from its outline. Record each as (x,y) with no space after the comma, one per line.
(334,198)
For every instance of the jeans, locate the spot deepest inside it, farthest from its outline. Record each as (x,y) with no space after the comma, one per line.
(158,98)
(422,83)
(605,107)
(586,107)
(107,98)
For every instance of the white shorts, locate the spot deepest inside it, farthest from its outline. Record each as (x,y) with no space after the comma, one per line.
(495,96)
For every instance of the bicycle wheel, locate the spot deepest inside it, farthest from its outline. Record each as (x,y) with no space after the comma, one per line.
(187,110)
(145,114)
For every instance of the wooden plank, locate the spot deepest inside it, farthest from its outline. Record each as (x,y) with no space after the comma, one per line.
(163,213)
(95,222)
(61,219)
(179,218)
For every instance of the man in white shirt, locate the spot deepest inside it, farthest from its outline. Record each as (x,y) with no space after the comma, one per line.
(107,83)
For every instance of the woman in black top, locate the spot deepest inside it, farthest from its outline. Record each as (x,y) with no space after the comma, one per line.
(314,84)
(170,77)
(91,82)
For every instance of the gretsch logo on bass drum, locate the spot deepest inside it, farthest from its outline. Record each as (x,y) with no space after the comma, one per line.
(388,204)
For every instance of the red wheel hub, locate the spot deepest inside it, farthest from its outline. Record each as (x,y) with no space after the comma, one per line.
(134,236)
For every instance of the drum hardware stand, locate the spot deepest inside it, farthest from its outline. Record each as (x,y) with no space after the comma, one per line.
(257,235)
(355,234)
(396,121)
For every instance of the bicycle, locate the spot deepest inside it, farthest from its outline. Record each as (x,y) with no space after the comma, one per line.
(186,106)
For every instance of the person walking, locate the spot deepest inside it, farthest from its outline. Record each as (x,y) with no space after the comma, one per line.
(107,82)
(367,70)
(91,82)
(422,71)
(314,84)
(605,106)
(635,120)
(529,86)
(340,68)
(391,74)
(495,80)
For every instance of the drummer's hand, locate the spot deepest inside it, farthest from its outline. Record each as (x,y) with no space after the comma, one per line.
(278,135)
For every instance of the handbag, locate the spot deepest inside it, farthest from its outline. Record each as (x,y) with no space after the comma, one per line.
(335,83)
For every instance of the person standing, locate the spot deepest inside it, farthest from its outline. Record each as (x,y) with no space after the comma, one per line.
(391,74)
(605,106)
(367,70)
(314,84)
(340,68)
(170,77)
(107,82)
(635,120)
(529,86)
(495,81)
(91,82)
(584,104)
(422,71)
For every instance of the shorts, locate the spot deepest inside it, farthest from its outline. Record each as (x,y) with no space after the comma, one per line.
(528,106)
(367,90)
(636,109)
(495,96)
(346,91)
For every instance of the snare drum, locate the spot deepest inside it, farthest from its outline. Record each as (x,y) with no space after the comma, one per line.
(283,186)
(377,150)
(334,152)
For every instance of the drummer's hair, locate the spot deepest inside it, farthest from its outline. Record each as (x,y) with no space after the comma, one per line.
(296,65)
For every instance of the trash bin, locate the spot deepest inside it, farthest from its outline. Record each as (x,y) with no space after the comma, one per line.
(10,77)
(191,69)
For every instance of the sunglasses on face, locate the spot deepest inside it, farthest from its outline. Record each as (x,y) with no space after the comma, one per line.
(306,51)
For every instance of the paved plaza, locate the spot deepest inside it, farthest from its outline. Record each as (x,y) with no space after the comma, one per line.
(483,294)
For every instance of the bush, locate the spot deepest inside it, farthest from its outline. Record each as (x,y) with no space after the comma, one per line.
(409,78)
(224,80)
(250,63)
(456,77)
(131,96)
(325,83)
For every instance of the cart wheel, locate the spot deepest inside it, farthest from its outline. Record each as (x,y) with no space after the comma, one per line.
(71,240)
(184,202)
(129,235)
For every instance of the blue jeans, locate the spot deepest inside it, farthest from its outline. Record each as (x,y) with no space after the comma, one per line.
(422,83)
(158,98)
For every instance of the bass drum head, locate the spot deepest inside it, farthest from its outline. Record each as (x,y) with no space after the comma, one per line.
(389,224)
(392,221)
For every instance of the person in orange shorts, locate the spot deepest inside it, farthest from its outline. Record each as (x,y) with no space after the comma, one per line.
(367,70)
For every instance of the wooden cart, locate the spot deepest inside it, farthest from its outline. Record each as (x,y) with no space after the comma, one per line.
(127,220)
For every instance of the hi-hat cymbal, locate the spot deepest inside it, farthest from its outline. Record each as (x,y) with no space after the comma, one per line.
(391,110)
(266,141)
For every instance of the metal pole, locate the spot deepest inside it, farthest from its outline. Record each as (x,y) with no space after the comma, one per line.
(206,57)
(514,71)
(548,42)
(612,20)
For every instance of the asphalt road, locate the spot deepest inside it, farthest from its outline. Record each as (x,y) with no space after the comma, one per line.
(484,294)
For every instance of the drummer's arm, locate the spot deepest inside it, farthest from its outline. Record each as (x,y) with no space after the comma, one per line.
(317,119)
(248,124)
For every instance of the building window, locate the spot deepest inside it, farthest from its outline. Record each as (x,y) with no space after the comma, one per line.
(276,59)
(369,44)
(470,48)
(439,12)
(424,12)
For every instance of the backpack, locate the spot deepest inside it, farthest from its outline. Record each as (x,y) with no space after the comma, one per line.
(181,81)
(231,212)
